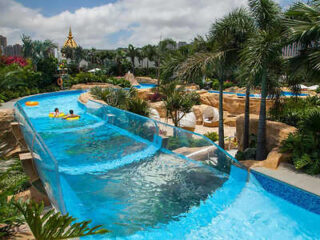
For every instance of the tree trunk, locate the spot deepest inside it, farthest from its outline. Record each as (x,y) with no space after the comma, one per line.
(261,141)
(221,127)
(246,120)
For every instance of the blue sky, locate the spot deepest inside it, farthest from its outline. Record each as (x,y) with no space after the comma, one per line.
(112,23)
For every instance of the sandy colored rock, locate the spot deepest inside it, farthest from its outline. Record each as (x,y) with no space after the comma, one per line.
(276,131)
(232,103)
(83,86)
(144,93)
(147,80)
(230,121)
(85,97)
(160,107)
(34,194)
(6,117)
(130,77)
(198,112)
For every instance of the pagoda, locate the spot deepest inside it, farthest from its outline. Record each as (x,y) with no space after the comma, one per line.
(70,42)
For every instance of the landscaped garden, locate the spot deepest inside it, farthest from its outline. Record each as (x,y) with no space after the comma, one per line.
(234,86)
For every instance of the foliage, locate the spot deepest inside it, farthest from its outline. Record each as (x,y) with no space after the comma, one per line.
(226,84)
(292,111)
(12,181)
(86,77)
(304,145)
(7,60)
(156,96)
(178,102)
(123,99)
(213,136)
(138,106)
(248,154)
(183,140)
(51,225)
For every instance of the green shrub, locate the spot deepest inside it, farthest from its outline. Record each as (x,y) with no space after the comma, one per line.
(138,106)
(175,142)
(213,136)
(226,84)
(318,90)
(292,111)
(304,145)
(248,154)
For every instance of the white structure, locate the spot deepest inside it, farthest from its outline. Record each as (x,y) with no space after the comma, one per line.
(188,121)
(210,117)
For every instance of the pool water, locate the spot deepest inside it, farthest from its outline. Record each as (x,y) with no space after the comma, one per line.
(284,94)
(145,85)
(140,191)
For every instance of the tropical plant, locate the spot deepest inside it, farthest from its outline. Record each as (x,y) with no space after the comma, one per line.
(302,22)
(54,226)
(304,145)
(213,136)
(178,102)
(138,106)
(262,56)
(132,53)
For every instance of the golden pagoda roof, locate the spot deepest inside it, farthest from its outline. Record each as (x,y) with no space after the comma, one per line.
(70,42)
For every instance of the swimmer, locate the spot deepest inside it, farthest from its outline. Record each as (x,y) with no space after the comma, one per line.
(71,115)
(56,112)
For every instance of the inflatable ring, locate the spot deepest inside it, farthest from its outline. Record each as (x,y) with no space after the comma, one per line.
(72,118)
(59,116)
(31,104)
(59,81)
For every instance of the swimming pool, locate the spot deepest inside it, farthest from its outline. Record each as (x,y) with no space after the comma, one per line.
(284,94)
(145,85)
(143,179)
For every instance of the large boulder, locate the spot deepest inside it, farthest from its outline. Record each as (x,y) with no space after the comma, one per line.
(160,107)
(232,103)
(144,93)
(6,117)
(147,80)
(130,77)
(276,132)
(198,112)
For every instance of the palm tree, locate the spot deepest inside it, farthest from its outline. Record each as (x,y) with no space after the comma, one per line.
(219,55)
(260,56)
(150,53)
(118,58)
(302,22)
(132,54)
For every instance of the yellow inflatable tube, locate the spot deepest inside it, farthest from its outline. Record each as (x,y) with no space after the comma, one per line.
(31,103)
(72,118)
(59,116)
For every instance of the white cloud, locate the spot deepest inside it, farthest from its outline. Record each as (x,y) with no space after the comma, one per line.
(94,27)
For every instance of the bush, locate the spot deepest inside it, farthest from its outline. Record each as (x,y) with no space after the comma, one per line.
(85,77)
(304,145)
(138,106)
(318,90)
(248,154)
(175,142)
(226,84)
(156,97)
(292,111)
(213,136)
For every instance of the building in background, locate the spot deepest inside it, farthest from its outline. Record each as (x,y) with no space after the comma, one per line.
(3,44)
(13,50)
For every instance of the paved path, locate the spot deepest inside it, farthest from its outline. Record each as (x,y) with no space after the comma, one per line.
(8,105)
(287,173)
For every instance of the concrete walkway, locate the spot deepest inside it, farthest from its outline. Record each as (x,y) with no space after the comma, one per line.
(9,105)
(288,174)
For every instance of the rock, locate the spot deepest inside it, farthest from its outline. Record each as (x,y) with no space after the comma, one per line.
(130,77)
(230,121)
(85,97)
(92,85)
(147,80)
(6,117)
(198,112)
(232,103)
(34,194)
(273,160)
(160,107)
(276,131)
(144,93)
(193,86)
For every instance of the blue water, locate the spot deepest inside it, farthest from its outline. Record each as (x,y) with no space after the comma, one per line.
(145,85)
(138,191)
(284,94)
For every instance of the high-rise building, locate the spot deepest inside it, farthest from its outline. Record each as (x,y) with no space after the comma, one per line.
(3,44)
(13,50)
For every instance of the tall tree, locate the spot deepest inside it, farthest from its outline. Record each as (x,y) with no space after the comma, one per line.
(132,54)
(260,56)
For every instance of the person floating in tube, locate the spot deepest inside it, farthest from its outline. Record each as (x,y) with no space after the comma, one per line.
(71,115)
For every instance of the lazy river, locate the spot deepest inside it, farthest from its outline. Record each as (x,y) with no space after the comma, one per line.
(143,179)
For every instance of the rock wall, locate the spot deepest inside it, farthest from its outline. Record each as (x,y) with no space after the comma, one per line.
(233,104)
(130,77)
(276,131)
(147,80)
(84,86)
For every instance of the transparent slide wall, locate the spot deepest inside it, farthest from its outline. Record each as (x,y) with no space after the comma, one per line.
(155,137)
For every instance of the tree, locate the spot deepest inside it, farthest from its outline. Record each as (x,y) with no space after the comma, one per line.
(132,53)
(261,56)
(177,101)
(302,22)
(150,53)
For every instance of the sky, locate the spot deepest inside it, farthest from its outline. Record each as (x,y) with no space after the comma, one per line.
(108,24)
